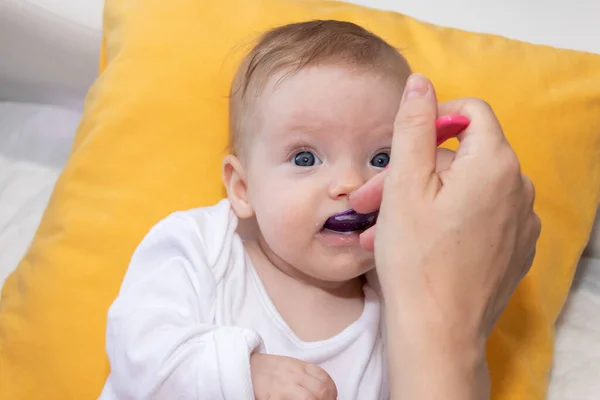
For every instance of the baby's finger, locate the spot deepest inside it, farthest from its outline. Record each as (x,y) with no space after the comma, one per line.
(320,375)
(318,389)
(297,392)
(317,372)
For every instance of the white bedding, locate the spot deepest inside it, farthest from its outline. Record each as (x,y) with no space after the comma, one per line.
(576,371)
(40,38)
(34,144)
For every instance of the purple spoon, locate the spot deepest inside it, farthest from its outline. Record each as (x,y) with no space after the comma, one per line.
(350,221)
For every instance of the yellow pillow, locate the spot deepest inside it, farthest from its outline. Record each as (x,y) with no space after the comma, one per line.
(151,140)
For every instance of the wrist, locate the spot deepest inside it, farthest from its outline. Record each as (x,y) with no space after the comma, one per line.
(428,361)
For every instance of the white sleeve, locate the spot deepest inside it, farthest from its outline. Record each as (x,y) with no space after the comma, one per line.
(161,342)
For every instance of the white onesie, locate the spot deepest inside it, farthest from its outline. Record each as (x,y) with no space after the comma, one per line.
(192,309)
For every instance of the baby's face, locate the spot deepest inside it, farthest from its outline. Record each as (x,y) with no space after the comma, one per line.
(318,136)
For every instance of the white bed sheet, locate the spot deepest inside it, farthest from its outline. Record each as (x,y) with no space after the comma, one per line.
(34,144)
(35,140)
(576,371)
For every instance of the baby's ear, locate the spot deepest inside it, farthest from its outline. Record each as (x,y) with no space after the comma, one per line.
(234,177)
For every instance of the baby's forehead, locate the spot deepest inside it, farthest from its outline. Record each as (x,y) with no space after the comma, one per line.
(307,124)
(322,103)
(329,96)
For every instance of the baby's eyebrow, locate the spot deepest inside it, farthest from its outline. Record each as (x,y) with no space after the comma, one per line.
(307,126)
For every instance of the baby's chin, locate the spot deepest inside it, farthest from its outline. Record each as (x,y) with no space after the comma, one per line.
(345,265)
(327,256)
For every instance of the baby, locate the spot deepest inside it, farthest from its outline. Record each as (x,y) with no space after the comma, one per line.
(280,309)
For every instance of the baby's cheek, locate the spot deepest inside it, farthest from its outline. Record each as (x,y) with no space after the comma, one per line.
(285,220)
(286,210)
(283,236)
(286,225)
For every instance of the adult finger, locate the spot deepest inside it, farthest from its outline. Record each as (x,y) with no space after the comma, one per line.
(444,158)
(484,125)
(367,239)
(528,263)
(414,142)
(367,198)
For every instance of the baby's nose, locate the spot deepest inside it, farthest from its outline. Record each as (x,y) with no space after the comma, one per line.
(346,182)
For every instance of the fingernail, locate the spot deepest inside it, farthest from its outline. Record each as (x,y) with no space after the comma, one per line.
(416,86)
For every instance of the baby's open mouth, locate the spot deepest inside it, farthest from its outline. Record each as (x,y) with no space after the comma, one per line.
(350,221)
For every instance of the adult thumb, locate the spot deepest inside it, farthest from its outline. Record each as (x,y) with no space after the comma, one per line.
(414,143)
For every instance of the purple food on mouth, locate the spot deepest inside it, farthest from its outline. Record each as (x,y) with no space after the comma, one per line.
(350,221)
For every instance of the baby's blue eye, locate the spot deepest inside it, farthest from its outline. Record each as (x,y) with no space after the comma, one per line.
(306,159)
(381,160)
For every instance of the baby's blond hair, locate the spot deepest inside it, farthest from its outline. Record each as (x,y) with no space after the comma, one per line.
(291,48)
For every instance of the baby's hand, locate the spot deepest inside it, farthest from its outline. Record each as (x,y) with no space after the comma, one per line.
(286,378)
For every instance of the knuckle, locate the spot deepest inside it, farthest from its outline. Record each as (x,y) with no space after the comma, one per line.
(483,105)
(477,105)
(530,187)
(506,171)
(527,267)
(323,376)
(537,226)
(511,167)
(512,163)
(527,182)
(316,371)
(323,393)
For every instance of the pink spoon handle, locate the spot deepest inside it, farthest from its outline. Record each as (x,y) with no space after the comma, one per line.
(450,126)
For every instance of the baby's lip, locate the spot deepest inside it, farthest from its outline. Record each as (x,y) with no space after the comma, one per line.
(350,221)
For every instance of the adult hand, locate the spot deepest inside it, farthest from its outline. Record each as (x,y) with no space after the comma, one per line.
(451,244)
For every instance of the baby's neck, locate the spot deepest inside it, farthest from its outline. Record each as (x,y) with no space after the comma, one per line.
(313,309)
